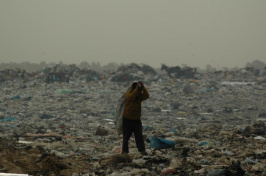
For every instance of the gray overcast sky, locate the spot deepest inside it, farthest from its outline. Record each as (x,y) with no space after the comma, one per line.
(175,32)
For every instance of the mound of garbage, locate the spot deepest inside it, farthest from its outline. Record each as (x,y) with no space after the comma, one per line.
(133,72)
(213,125)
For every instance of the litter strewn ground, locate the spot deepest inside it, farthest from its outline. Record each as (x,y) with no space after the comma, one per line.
(210,125)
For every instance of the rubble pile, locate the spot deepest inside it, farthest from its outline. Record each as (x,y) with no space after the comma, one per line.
(211,126)
(133,72)
(65,73)
(178,72)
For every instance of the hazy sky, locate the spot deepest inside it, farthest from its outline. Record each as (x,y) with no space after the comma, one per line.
(175,32)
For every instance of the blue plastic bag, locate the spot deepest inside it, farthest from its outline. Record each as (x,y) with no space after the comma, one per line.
(203,143)
(161,143)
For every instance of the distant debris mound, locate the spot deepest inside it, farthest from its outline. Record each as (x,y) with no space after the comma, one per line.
(256,64)
(133,67)
(177,72)
(133,72)
(63,73)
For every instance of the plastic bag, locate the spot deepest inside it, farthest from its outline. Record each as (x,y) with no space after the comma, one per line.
(119,112)
(161,143)
(118,115)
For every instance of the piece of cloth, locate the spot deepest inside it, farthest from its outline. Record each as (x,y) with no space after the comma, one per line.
(132,109)
(130,127)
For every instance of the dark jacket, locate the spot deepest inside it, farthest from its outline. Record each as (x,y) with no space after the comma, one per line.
(132,109)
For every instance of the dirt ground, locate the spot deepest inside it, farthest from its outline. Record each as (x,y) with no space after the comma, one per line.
(21,159)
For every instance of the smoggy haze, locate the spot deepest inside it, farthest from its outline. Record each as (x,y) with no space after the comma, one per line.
(193,32)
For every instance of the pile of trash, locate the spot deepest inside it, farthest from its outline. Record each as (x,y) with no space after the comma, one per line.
(178,72)
(65,73)
(11,74)
(210,126)
(133,72)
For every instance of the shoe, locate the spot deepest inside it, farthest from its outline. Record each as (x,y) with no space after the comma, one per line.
(144,153)
(124,153)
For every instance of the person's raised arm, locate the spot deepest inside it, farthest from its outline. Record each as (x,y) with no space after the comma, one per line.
(145,95)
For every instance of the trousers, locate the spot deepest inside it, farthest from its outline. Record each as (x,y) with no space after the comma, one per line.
(130,127)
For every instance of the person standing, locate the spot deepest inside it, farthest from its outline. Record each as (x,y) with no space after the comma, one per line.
(132,116)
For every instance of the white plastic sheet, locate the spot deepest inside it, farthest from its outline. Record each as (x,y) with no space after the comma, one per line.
(118,115)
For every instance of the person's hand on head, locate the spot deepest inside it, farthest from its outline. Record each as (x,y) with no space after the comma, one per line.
(141,83)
